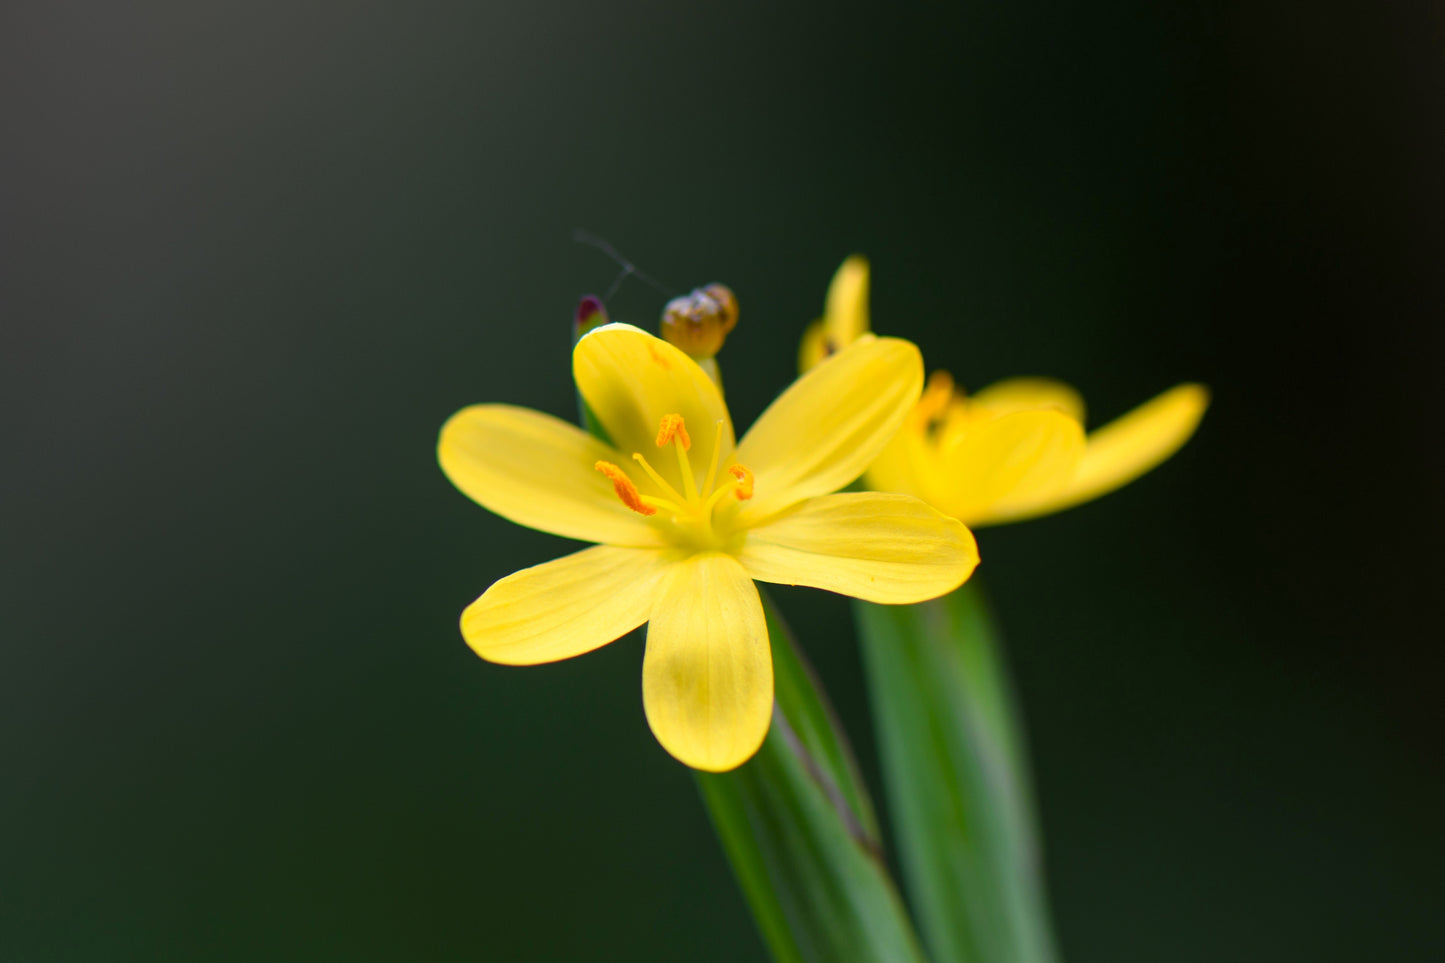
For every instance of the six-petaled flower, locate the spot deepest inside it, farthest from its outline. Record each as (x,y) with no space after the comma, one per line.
(686,519)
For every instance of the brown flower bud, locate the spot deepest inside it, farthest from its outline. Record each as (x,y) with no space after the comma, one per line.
(699,322)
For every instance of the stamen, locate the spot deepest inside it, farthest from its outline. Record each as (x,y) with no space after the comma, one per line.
(693,512)
(714,498)
(745,481)
(673,427)
(661,482)
(624,488)
(938,391)
(934,401)
(662,504)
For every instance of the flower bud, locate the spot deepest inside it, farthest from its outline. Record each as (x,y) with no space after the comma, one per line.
(590,314)
(698,323)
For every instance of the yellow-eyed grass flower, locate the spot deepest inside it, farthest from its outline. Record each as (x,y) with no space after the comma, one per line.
(686,520)
(1014,450)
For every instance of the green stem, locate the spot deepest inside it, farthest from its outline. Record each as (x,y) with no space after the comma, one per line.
(956,773)
(798,826)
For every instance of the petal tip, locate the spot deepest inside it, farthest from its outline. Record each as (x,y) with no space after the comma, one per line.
(1198,393)
(612,328)
(717,759)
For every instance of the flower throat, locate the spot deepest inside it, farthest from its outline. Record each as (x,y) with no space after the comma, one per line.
(692,509)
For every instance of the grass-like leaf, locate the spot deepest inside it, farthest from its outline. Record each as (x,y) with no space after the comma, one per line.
(957,779)
(798,826)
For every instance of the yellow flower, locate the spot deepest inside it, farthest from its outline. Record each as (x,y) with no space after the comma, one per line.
(1014,450)
(683,532)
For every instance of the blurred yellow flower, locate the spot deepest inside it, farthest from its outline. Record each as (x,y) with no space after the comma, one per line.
(684,533)
(1014,450)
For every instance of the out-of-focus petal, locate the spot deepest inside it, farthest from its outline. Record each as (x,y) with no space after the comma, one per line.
(813,348)
(1028,394)
(845,319)
(1018,458)
(1123,450)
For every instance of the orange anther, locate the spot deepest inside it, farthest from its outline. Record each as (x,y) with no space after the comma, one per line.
(673,427)
(745,481)
(938,390)
(934,402)
(624,488)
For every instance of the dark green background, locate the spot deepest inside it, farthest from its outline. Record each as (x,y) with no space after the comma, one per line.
(253,254)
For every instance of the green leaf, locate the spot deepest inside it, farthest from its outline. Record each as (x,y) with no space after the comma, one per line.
(800,830)
(956,774)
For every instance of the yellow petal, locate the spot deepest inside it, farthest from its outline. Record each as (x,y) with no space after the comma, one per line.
(538,471)
(972,468)
(565,607)
(813,348)
(1124,449)
(845,319)
(897,467)
(1003,461)
(824,430)
(880,547)
(707,676)
(1029,394)
(631,380)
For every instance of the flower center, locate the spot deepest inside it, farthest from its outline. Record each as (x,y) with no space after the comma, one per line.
(697,515)
(931,411)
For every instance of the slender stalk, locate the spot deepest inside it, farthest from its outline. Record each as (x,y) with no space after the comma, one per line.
(798,826)
(957,779)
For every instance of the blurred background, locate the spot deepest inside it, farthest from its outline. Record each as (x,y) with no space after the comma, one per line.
(252,255)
